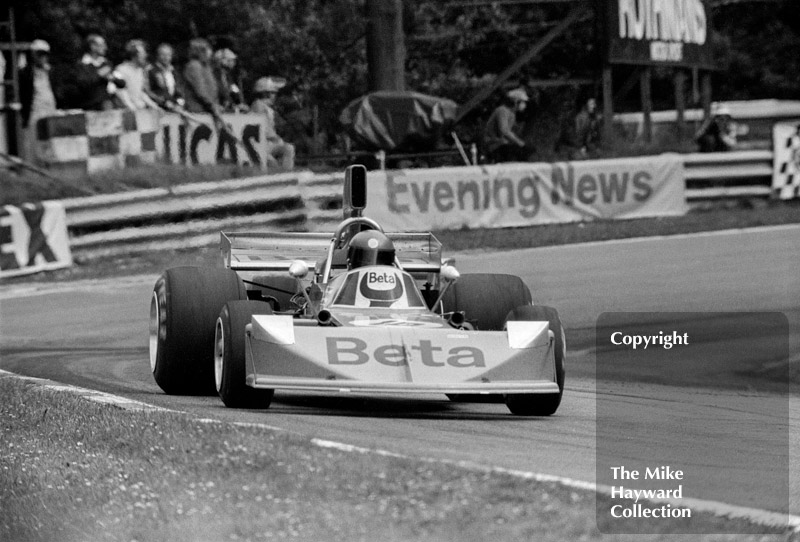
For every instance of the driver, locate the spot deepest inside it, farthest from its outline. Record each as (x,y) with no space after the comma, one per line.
(370,247)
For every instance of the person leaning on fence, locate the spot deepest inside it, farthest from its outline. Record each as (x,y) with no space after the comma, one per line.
(502,142)
(265,91)
(164,87)
(97,83)
(202,92)
(230,94)
(135,93)
(718,131)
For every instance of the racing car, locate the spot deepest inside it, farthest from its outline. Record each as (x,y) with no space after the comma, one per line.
(358,310)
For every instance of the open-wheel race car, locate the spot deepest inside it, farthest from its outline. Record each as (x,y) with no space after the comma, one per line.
(358,311)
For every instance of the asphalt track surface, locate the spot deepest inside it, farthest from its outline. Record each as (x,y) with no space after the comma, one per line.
(94,334)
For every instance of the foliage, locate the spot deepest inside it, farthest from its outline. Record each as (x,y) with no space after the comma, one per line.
(452,50)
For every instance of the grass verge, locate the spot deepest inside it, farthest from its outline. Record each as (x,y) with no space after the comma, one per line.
(75,470)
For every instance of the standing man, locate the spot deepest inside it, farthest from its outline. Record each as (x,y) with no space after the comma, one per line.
(36,94)
(163,83)
(265,90)
(36,91)
(202,92)
(96,81)
(501,140)
(135,93)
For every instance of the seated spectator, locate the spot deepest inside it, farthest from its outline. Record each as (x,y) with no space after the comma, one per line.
(202,91)
(718,131)
(230,93)
(502,142)
(265,90)
(161,77)
(135,93)
(580,136)
(96,81)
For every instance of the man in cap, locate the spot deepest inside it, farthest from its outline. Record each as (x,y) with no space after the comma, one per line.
(36,92)
(265,90)
(502,142)
(230,94)
(718,131)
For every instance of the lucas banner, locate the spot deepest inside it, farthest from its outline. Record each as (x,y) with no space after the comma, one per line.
(33,238)
(525,194)
(191,143)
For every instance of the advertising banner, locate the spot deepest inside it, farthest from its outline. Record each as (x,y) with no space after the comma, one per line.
(658,32)
(524,194)
(786,166)
(191,143)
(33,238)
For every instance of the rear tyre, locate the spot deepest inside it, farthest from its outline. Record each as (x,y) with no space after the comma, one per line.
(230,356)
(486,299)
(183,312)
(540,404)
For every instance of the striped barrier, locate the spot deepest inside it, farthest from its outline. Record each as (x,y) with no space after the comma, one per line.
(192,215)
(89,142)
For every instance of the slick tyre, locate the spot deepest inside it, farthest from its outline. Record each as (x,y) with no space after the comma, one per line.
(183,314)
(486,299)
(230,356)
(538,404)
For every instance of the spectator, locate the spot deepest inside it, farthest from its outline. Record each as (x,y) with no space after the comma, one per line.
(96,81)
(135,93)
(36,94)
(202,91)
(265,90)
(580,137)
(502,142)
(230,94)
(161,78)
(718,131)
(35,88)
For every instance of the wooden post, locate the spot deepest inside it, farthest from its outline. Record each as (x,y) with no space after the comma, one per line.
(706,93)
(386,50)
(680,103)
(608,105)
(647,103)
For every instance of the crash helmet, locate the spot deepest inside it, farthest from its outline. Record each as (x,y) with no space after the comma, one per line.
(370,247)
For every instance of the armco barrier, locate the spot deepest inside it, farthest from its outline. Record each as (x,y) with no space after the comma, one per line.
(193,215)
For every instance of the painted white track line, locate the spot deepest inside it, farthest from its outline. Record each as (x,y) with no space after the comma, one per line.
(754,515)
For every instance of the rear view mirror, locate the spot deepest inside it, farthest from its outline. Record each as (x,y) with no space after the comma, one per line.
(354,199)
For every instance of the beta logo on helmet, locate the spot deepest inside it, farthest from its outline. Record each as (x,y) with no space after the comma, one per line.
(370,247)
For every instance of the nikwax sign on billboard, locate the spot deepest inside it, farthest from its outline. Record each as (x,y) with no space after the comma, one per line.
(524,194)
(658,32)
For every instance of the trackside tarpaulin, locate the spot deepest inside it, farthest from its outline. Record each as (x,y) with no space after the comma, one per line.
(522,194)
(33,238)
(786,167)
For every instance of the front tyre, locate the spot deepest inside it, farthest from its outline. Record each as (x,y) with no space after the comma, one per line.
(230,344)
(183,312)
(540,404)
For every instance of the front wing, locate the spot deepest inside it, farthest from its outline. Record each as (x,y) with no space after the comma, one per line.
(399,358)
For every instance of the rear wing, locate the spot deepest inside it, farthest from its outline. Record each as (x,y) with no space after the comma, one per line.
(275,252)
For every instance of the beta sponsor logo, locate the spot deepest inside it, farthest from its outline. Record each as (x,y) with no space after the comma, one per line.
(354,351)
(523,192)
(381,280)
